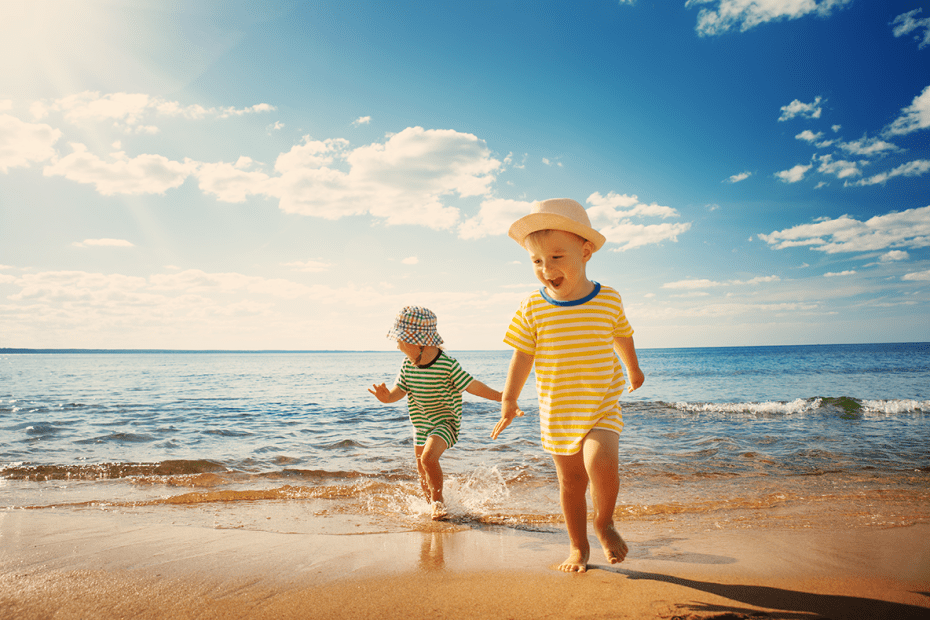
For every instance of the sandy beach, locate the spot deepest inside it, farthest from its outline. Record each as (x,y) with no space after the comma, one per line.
(95,564)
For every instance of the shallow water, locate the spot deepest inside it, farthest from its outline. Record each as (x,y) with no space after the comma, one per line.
(729,435)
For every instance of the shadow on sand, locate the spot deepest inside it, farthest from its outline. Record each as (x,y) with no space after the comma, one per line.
(798,604)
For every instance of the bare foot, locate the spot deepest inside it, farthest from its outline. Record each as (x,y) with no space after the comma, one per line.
(576,562)
(438,511)
(615,549)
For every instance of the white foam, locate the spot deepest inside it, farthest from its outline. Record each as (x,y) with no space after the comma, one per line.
(799,405)
(478,492)
(895,406)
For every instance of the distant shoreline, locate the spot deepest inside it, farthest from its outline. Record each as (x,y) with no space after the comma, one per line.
(180,351)
(73,351)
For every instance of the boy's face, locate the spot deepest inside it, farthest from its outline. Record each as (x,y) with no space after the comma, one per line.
(559,259)
(410,350)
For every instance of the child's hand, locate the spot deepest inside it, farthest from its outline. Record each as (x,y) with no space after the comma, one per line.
(636,378)
(381,392)
(509,411)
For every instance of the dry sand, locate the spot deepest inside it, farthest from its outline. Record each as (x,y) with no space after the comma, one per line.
(95,564)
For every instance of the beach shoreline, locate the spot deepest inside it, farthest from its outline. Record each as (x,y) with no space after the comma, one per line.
(99,564)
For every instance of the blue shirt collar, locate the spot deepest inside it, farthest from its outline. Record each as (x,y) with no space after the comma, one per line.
(574,302)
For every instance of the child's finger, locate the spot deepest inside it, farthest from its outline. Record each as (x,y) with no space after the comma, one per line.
(501,425)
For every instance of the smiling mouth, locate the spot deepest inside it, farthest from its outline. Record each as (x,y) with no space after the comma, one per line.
(557,282)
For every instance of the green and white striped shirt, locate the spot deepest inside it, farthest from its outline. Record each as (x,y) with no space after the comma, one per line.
(434,392)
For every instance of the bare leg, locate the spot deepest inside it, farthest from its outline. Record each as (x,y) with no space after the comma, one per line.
(600,450)
(431,473)
(573,483)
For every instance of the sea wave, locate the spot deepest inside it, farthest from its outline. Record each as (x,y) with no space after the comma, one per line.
(896,406)
(107,471)
(488,500)
(843,405)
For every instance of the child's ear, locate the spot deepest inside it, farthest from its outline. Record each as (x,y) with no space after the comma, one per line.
(587,250)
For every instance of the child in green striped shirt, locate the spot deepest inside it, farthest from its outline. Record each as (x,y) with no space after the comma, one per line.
(434,383)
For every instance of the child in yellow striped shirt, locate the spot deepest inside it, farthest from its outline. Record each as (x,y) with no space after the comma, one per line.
(572,331)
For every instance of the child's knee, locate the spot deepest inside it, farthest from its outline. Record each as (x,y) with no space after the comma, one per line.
(429,458)
(575,481)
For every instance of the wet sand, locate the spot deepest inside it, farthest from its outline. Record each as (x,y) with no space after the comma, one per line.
(96,564)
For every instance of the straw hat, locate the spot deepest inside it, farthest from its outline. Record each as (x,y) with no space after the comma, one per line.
(557,214)
(415,325)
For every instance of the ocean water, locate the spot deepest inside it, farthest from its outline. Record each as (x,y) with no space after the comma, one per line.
(795,436)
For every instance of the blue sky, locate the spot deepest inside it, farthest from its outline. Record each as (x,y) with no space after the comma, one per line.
(287,175)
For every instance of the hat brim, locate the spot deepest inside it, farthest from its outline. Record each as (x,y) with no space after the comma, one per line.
(429,339)
(552,221)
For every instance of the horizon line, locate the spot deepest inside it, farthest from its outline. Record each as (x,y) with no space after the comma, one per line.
(36,350)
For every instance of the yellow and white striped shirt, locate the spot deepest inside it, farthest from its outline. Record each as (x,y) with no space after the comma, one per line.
(579,377)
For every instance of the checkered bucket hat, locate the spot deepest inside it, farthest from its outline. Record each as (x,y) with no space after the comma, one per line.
(415,325)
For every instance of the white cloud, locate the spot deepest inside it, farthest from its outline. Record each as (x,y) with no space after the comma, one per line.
(613,208)
(112,243)
(736,178)
(905,229)
(311,154)
(693,284)
(231,182)
(841,168)
(129,111)
(194,309)
(361,120)
(703,284)
(611,215)
(410,260)
(805,110)
(494,218)
(907,23)
(629,236)
(839,274)
(759,280)
(914,117)
(809,136)
(402,181)
(550,162)
(793,175)
(894,255)
(64,287)
(868,147)
(911,169)
(201,282)
(917,276)
(747,14)
(21,143)
(144,174)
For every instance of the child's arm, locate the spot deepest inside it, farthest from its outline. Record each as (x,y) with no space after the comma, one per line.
(520,366)
(627,352)
(382,393)
(481,390)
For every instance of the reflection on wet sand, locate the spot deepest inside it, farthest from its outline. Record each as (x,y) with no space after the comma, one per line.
(431,551)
